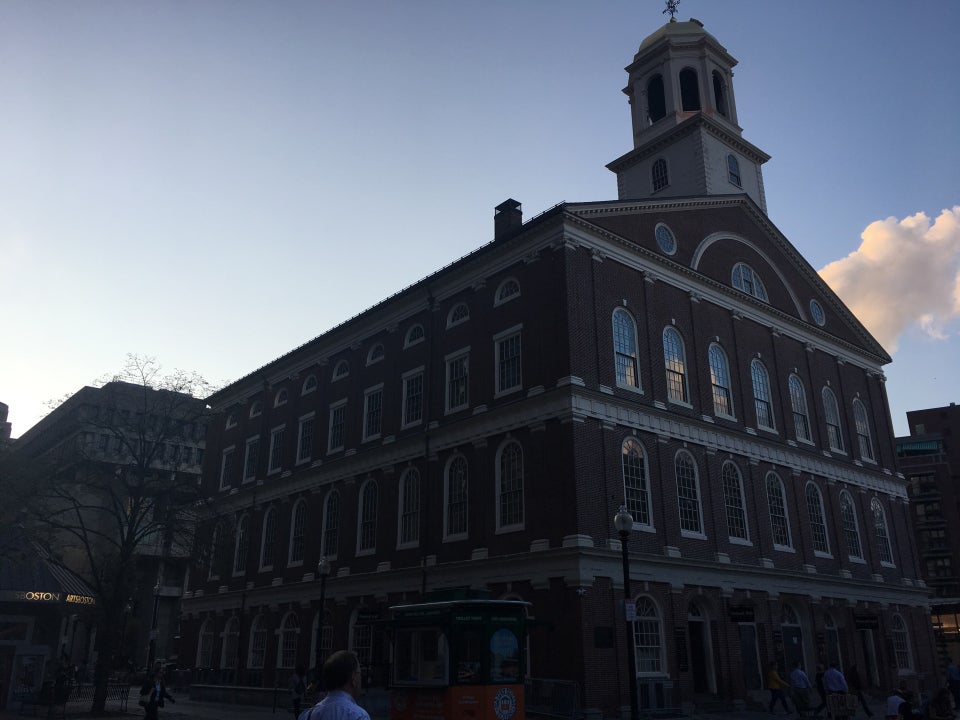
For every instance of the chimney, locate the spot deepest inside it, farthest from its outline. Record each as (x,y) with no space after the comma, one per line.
(507,219)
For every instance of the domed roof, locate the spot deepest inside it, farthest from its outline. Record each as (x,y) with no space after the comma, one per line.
(674,29)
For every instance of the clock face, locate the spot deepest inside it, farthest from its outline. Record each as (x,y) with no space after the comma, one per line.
(665,240)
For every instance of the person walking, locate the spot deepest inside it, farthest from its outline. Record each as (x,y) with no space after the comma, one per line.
(342,679)
(856,688)
(776,685)
(153,693)
(297,689)
(800,689)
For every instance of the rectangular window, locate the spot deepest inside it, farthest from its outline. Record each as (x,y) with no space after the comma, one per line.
(305,439)
(413,397)
(226,467)
(507,354)
(250,459)
(458,380)
(372,412)
(276,449)
(338,418)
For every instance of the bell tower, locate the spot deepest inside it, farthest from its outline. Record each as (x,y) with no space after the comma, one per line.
(686,137)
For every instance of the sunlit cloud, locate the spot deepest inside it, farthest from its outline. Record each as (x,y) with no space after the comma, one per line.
(905,275)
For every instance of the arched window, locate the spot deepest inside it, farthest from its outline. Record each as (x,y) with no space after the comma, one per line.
(205,645)
(508,290)
(636,491)
(779,521)
(831,413)
(762,400)
(289,640)
(326,638)
(648,638)
(408,522)
(231,421)
(625,352)
(658,174)
(510,487)
(309,385)
(455,498)
(216,553)
(459,313)
(298,525)
(367,518)
(719,93)
(414,335)
(688,493)
(231,640)
(675,363)
(901,644)
(851,528)
(331,526)
(863,430)
(720,381)
(733,170)
(798,403)
(258,643)
(689,90)
(733,501)
(341,370)
(241,546)
(880,527)
(818,526)
(375,354)
(280,398)
(256,407)
(744,279)
(656,99)
(268,543)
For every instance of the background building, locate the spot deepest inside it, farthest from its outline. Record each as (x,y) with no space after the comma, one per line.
(669,350)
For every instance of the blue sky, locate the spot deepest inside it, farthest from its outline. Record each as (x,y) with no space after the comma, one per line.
(215,183)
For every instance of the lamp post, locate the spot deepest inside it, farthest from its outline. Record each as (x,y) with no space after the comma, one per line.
(323,571)
(127,609)
(623,522)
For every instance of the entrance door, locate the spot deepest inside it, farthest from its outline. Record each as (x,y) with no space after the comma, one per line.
(750,656)
(792,638)
(870,669)
(701,658)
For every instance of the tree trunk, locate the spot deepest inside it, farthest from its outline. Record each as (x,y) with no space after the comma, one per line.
(105,646)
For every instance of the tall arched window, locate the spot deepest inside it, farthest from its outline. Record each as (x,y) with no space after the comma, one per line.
(331,526)
(289,640)
(719,93)
(720,381)
(656,99)
(268,543)
(818,526)
(510,487)
(408,522)
(901,643)
(367,518)
(689,90)
(880,527)
(779,520)
(863,430)
(636,492)
(831,413)
(648,637)
(762,400)
(326,637)
(258,643)
(205,645)
(231,640)
(798,402)
(688,493)
(455,500)
(746,280)
(298,524)
(733,502)
(851,528)
(241,546)
(658,174)
(625,352)
(675,363)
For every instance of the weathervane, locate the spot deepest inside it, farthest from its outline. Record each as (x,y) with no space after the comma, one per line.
(672,9)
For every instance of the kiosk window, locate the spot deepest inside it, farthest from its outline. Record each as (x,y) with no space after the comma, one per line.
(504,656)
(469,656)
(420,657)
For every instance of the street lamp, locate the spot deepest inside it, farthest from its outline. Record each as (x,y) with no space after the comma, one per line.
(623,522)
(323,571)
(127,609)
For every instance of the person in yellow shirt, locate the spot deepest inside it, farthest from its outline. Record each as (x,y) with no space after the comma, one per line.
(777,687)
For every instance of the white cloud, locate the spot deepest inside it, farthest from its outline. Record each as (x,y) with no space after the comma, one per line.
(905,274)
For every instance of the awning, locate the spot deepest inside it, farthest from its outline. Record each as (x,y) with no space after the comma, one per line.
(29,574)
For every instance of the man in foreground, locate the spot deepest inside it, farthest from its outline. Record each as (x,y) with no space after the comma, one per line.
(342,679)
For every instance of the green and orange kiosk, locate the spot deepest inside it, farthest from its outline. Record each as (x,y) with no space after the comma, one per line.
(458,659)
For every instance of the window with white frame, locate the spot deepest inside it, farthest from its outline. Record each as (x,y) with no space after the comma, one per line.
(850,525)
(658,174)
(507,353)
(455,498)
(625,352)
(510,487)
(831,413)
(281,398)
(880,528)
(226,467)
(688,494)
(862,423)
(720,381)
(408,521)
(298,528)
(733,170)
(276,449)
(250,457)
(648,638)
(258,643)
(762,399)
(376,354)
(367,519)
(508,290)
(241,546)
(309,385)
(458,380)
(779,520)
(361,642)
(459,313)
(231,421)
(338,420)
(636,491)
(330,538)
(326,638)
(256,408)
(901,644)
(305,438)
(798,404)
(216,553)
(268,543)
(746,280)
(816,515)
(733,502)
(414,335)
(341,370)
(231,643)
(412,397)
(675,364)
(372,412)
(205,645)
(289,641)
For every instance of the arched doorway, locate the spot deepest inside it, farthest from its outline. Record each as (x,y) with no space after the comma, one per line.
(701,650)
(792,637)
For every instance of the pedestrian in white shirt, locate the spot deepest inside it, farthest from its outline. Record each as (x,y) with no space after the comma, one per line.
(342,678)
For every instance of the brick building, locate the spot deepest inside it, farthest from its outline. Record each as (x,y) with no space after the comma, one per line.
(670,350)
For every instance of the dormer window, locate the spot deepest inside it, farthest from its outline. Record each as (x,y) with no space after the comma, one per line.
(309,385)
(689,90)
(256,408)
(281,398)
(508,290)
(414,335)
(656,99)
(375,354)
(459,314)
(746,280)
(659,175)
(733,170)
(341,370)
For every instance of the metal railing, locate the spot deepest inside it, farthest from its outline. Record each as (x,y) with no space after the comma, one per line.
(552,698)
